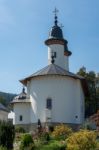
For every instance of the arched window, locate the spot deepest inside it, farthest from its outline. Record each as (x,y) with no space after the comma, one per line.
(49,103)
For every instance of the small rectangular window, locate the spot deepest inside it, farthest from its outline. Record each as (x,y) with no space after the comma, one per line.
(20,118)
(55,54)
(49,104)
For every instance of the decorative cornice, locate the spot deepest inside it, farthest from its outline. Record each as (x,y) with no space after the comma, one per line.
(55,41)
(67,53)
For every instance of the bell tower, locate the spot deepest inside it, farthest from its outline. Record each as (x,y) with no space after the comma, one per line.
(57,46)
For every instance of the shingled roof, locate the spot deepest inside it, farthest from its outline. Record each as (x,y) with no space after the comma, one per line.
(53,69)
(2,107)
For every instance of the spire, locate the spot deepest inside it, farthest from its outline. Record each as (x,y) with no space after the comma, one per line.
(55,12)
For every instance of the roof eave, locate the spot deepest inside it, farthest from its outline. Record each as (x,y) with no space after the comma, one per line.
(25,80)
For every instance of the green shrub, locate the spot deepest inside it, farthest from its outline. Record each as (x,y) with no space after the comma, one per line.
(45,137)
(7,133)
(82,140)
(55,145)
(27,142)
(61,132)
(20,130)
(97,147)
(3,148)
(30,147)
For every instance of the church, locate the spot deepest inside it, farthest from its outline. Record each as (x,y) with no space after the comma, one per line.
(54,94)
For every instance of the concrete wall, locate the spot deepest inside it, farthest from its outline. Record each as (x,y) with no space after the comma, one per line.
(67,99)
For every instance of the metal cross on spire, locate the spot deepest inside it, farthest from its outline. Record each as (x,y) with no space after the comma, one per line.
(55,12)
(61,26)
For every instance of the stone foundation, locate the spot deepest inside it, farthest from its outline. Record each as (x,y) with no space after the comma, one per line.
(33,126)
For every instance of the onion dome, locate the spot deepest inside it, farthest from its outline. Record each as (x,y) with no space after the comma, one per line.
(56,36)
(56,32)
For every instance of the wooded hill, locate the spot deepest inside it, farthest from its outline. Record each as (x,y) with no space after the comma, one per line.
(6,98)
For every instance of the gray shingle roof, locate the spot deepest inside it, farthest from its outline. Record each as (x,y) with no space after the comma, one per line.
(51,69)
(22,95)
(2,107)
(21,98)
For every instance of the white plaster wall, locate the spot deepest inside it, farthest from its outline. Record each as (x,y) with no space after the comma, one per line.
(11,115)
(66,94)
(24,110)
(59,60)
(66,61)
(28,92)
(3,115)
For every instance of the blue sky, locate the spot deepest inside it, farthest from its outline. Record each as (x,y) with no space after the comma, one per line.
(24,26)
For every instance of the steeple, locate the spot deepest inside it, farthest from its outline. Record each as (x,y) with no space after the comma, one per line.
(56,31)
(57,44)
(55,11)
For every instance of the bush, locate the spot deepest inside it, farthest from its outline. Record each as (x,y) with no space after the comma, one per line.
(20,130)
(3,148)
(61,132)
(82,140)
(27,142)
(55,145)
(45,137)
(7,134)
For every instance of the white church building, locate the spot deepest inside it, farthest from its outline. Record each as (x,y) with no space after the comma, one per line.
(54,94)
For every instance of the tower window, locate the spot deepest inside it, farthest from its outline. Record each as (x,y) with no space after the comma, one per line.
(20,118)
(54,54)
(49,103)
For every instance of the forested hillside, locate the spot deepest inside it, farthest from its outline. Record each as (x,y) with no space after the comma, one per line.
(6,98)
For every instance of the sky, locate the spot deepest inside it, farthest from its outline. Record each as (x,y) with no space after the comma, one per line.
(25,25)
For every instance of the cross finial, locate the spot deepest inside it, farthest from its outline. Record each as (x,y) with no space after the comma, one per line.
(55,12)
(61,26)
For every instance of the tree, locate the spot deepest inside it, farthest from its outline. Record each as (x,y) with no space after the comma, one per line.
(7,134)
(92,101)
(2,101)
